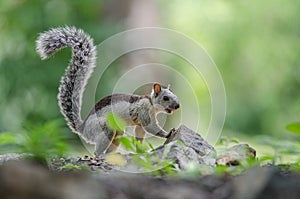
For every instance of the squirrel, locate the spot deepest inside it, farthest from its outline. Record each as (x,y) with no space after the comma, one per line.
(136,110)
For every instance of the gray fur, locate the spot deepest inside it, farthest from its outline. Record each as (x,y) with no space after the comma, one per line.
(135,110)
(77,73)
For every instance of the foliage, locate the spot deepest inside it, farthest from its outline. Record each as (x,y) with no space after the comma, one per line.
(142,157)
(235,170)
(296,166)
(115,122)
(294,127)
(74,167)
(40,140)
(283,149)
(257,53)
(140,152)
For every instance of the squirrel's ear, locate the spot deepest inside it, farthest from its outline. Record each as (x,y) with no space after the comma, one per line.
(156,88)
(169,86)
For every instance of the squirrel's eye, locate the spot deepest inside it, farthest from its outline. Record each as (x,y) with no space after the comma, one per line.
(165,98)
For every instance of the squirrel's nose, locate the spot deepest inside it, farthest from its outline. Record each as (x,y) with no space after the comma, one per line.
(176,106)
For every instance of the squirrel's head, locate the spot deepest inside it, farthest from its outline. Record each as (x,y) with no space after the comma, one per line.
(163,99)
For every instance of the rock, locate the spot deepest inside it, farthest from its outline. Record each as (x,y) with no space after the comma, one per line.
(12,156)
(185,146)
(95,164)
(260,176)
(234,155)
(266,183)
(191,140)
(25,180)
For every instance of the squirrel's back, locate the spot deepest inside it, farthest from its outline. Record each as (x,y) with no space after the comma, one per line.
(77,73)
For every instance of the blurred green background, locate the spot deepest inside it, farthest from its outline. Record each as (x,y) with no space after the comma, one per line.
(256,46)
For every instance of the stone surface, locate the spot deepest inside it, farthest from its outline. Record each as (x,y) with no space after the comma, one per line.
(234,155)
(12,156)
(88,163)
(187,146)
(183,147)
(191,140)
(24,180)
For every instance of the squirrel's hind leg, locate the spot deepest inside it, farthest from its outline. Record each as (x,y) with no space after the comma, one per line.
(115,143)
(103,141)
(139,133)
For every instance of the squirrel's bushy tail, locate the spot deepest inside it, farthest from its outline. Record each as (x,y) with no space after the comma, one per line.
(77,73)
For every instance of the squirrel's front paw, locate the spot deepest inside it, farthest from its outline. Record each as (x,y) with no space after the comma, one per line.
(171,132)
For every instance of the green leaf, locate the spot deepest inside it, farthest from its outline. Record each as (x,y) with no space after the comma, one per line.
(294,127)
(266,157)
(235,140)
(138,145)
(144,162)
(11,142)
(126,142)
(8,138)
(150,146)
(74,167)
(115,122)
